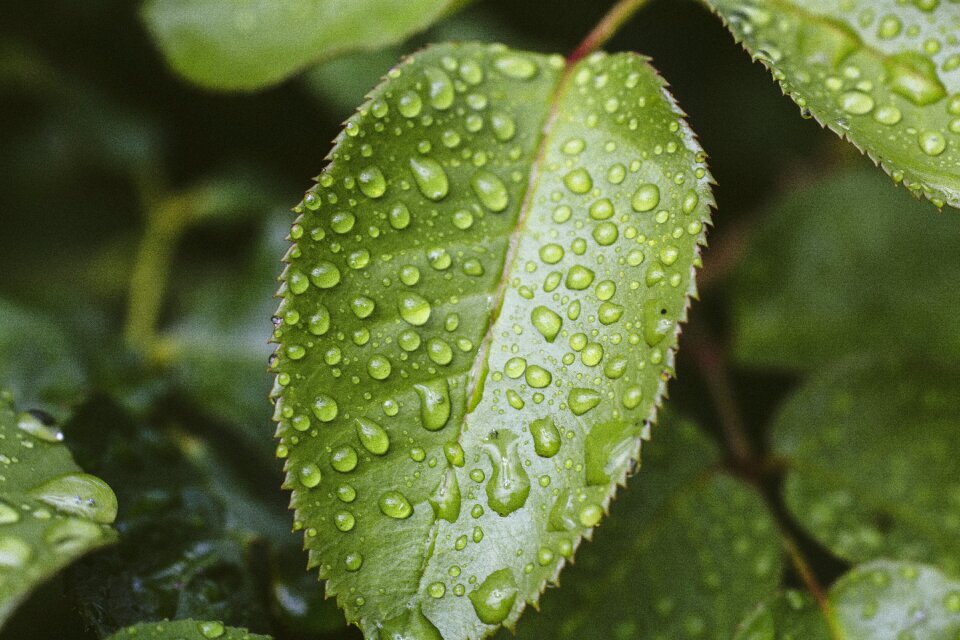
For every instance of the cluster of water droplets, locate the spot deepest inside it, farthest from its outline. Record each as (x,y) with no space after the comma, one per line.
(885,74)
(400,409)
(44,520)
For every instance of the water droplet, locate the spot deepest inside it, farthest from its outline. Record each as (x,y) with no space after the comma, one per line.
(409,625)
(394,504)
(434,403)
(39,428)
(409,104)
(606,233)
(344,459)
(379,367)
(602,209)
(888,115)
(71,536)
(590,515)
(310,475)
(494,599)
(344,521)
(856,103)
(325,408)
(441,88)
(932,143)
(362,306)
(79,494)
(657,324)
(414,309)
(537,377)
(573,146)
(546,321)
(399,216)
(446,497)
(579,277)
(516,66)
(578,181)
(607,451)
(490,190)
(211,629)
(646,198)
(439,351)
(509,484)
(914,76)
(372,436)
(14,552)
(430,177)
(581,400)
(546,437)
(353,561)
(503,126)
(325,275)
(372,183)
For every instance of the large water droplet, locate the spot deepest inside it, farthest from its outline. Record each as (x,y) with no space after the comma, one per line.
(578,181)
(79,494)
(503,126)
(372,183)
(409,104)
(394,504)
(581,400)
(546,437)
(509,484)
(310,475)
(546,321)
(646,198)
(430,177)
(71,536)
(414,309)
(409,625)
(516,66)
(446,498)
(608,449)
(372,436)
(14,552)
(38,428)
(914,76)
(657,324)
(494,599)
(490,190)
(434,403)
(441,88)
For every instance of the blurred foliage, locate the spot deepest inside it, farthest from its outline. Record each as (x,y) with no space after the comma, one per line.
(814,259)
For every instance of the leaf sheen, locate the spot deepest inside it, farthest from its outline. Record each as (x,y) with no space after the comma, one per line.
(51,513)
(884,75)
(184,630)
(479,315)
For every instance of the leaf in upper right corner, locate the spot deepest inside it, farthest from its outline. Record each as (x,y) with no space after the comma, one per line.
(882,600)
(685,554)
(870,449)
(184,630)
(884,75)
(51,513)
(847,265)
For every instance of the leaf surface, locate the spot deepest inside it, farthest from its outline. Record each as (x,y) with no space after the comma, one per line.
(184,630)
(866,268)
(884,75)
(872,469)
(51,513)
(881,600)
(251,44)
(479,314)
(686,552)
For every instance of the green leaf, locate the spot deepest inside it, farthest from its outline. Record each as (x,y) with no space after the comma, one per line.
(685,553)
(872,470)
(255,43)
(50,511)
(882,600)
(38,363)
(866,268)
(184,630)
(883,76)
(479,315)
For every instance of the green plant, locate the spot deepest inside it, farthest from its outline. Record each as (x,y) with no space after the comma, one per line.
(479,317)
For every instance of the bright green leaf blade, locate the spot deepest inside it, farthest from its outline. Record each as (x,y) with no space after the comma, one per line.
(685,553)
(872,469)
(51,513)
(255,43)
(881,600)
(884,75)
(184,630)
(477,320)
(865,267)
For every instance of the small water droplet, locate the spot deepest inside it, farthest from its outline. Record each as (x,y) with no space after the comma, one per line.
(646,198)
(547,322)
(414,309)
(372,183)
(546,437)
(516,66)
(394,504)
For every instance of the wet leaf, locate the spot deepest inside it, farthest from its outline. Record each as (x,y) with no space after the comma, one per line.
(881,600)
(884,75)
(686,552)
(184,630)
(51,512)
(256,43)
(872,470)
(479,314)
(846,266)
